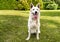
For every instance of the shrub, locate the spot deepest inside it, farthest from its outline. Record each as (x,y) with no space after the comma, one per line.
(25,4)
(53,6)
(46,3)
(58,2)
(58,7)
(22,5)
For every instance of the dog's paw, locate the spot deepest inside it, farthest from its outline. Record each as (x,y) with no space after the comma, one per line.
(27,38)
(38,38)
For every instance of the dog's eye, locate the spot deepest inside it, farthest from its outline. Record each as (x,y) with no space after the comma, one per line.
(37,9)
(33,9)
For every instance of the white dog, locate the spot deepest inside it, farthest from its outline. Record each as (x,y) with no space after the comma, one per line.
(34,21)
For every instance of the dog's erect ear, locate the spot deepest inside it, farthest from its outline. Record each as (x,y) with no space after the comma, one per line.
(31,5)
(38,5)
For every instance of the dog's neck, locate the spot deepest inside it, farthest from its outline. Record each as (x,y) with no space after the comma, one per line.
(35,19)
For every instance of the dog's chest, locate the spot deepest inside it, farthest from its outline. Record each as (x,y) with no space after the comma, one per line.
(34,25)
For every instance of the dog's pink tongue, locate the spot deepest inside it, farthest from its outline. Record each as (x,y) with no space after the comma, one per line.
(35,16)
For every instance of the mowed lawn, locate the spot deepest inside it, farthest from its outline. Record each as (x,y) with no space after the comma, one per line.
(13,26)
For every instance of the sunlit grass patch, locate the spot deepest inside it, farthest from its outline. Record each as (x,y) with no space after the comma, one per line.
(54,18)
(51,26)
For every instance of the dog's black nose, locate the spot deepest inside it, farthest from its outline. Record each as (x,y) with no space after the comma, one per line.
(35,11)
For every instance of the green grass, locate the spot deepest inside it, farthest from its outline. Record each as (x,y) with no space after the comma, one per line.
(13,26)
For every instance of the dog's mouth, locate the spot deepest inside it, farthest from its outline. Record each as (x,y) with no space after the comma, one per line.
(35,16)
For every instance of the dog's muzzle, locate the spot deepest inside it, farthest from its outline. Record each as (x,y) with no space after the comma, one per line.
(35,12)
(35,15)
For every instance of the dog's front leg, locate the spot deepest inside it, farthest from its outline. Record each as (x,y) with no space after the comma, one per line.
(29,34)
(38,26)
(37,35)
(38,29)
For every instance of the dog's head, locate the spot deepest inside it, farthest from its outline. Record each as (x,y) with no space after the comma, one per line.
(35,10)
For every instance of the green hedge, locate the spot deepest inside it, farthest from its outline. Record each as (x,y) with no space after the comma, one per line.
(50,5)
(53,6)
(17,4)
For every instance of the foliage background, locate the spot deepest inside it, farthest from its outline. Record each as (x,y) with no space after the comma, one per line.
(25,4)
(17,4)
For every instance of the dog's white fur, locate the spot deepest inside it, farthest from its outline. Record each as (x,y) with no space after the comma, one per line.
(34,24)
